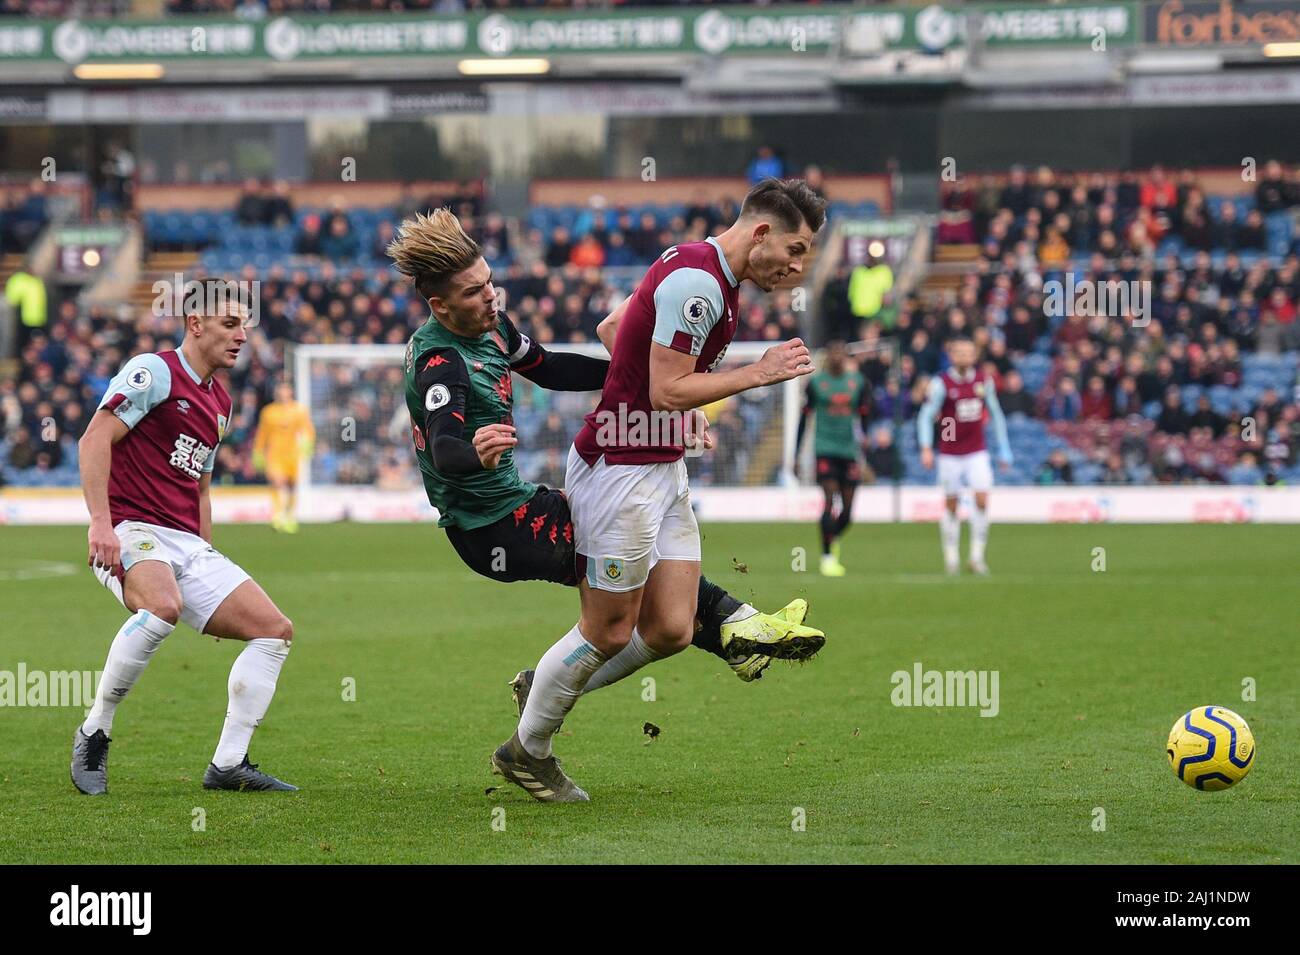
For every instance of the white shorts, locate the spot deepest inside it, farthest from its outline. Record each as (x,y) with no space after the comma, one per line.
(628,517)
(956,471)
(205,576)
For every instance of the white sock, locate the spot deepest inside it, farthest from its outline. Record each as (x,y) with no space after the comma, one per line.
(627,661)
(252,684)
(979,534)
(140,636)
(561,674)
(950,536)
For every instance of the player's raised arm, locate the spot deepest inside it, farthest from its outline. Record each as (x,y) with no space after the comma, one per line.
(688,305)
(555,371)
(675,385)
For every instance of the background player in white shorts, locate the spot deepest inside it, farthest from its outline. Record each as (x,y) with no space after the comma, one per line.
(146,467)
(626,479)
(960,400)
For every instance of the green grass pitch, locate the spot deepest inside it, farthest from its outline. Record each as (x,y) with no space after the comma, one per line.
(1094,668)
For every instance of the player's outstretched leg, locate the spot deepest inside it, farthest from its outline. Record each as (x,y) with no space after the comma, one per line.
(149,584)
(736,631)
(248,614)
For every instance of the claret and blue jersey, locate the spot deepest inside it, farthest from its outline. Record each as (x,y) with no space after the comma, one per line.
(689,301)
(176,423)
(958,401)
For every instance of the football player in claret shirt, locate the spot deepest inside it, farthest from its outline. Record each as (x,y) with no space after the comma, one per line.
(146,468)
(626,481)
(836,395)
(957,404)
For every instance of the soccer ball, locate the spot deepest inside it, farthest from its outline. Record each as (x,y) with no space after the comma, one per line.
(1211,748)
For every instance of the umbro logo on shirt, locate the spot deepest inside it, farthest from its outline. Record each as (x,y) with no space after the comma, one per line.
(183,406)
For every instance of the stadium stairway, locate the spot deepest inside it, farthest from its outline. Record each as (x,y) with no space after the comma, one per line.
(9,264)
(766,458)
(950,263)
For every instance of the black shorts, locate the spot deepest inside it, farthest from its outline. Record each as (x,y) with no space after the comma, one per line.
(840,470)
(533,542)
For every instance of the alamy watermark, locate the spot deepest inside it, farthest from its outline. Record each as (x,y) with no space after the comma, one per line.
(128,909)
(636,428)
(1114,299)
(26,687)
(922,687)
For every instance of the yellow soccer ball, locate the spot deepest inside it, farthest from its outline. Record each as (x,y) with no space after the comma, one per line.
(1211,748)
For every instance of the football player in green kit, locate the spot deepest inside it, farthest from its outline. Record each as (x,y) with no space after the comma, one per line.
(835,396)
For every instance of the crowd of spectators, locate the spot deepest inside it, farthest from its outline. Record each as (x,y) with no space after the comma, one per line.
(65,367)
(1158,392)
(1167,399)
(560,285)
(1050,217)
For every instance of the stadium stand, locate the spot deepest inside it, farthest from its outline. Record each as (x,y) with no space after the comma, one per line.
(1206,392)
(1213,374)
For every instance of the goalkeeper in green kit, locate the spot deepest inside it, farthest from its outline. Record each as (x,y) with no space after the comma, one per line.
(458,368)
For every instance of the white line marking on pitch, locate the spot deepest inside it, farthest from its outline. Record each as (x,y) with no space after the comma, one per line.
(38,570)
